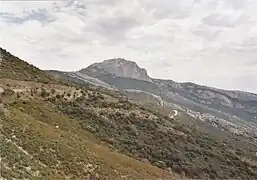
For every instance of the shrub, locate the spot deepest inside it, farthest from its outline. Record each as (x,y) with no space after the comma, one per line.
(58,96)
(18,95)
(8,92)
(153,140)
(31,92)
(53,91)
(44,93)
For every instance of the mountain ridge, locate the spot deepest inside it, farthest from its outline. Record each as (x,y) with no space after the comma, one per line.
(228,106)
(129,62)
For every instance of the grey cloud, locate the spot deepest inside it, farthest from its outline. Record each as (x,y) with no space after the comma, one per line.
(205,32)
(113,28)
(217,20)
(178,40)
(248,83)
(110,3)
(251,43)
(237,4)
(170,9)
(243,83)
(251,63)
(222,20)
(78,5)
(246,48)
(40,15)
(176,14)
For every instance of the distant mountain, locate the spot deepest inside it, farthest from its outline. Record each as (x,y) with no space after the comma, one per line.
(118,67)
(235,110)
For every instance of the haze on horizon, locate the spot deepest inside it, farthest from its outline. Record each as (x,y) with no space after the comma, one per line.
(209,42)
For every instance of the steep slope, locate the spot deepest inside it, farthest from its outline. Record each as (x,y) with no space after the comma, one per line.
(206,103)
(14,68)
(38,141)
(78,78)
(74,131)
(56,126)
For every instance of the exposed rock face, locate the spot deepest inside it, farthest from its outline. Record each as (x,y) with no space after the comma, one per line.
(121,68)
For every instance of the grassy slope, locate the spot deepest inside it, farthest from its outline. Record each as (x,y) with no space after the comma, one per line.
(14,68)
(33,147)
(86,116)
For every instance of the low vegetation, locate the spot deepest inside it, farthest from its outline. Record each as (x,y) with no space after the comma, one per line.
(14,68)
(38,141)
(66,131)
(149,136)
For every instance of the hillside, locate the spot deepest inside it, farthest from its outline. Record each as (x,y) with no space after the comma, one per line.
(39,141)
(234,111)
(79,131)
(14,68)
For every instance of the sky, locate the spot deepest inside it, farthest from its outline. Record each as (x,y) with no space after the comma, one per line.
(209,42)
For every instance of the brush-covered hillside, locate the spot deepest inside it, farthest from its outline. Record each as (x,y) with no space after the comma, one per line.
(53,129)
(14,68)
(39,141)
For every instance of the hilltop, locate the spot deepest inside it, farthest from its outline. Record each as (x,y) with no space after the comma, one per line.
(120,68)
(60,128)
(14,68)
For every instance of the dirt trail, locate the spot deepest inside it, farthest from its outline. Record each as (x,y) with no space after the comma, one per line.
(173,114)
(21,90)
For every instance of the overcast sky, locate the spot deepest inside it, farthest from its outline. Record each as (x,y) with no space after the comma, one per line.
(210,42)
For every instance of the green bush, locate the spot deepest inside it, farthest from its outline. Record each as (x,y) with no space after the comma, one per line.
(58,96)
(53,91)
(160,142)
(44,94)
(18,95)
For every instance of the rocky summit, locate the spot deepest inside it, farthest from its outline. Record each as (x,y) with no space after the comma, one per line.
(120,68)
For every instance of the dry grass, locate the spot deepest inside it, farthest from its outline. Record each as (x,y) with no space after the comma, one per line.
(66,151)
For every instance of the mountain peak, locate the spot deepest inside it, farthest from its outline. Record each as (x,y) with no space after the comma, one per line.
(121,60)
(122,68)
